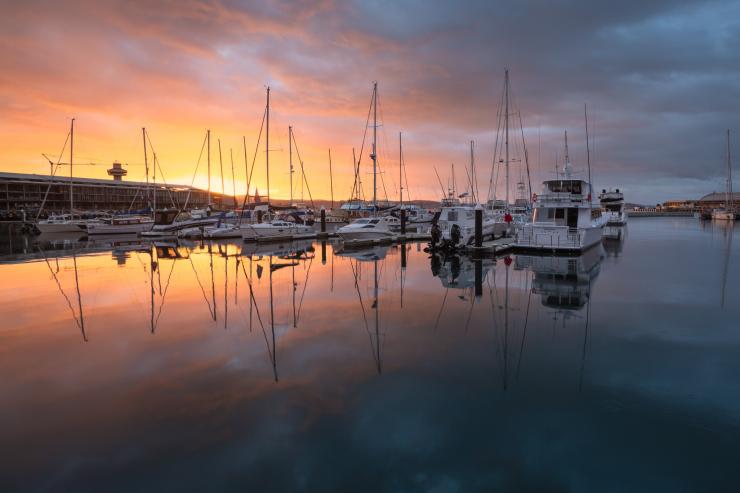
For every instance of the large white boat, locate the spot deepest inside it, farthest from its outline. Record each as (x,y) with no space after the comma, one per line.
(564,219)
(727,213)
(120,225)
(276,230)
(169,223)
(612,205)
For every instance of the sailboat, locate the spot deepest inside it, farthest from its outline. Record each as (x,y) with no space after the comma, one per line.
(65,223)
(277,229)
(727,213)
(372,228)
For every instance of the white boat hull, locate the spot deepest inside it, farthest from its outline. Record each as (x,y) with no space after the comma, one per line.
(558,238)
(119,229)
(62,227)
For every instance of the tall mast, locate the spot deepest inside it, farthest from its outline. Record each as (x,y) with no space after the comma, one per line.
(267,144)
(233,180)
(290,154)
(728,193)
(246,170)
(208,137)
(472,173)
(331,182)
(566,166)
(146,161)
(221,167)
(374,155)
(400,169)
(506,131)
(71,183)
(588,158)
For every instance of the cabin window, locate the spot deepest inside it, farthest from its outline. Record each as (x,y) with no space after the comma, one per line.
(565,186)
(374,221)
(452,215)
(559,213)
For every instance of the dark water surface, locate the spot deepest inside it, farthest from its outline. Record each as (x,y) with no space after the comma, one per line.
(615,371)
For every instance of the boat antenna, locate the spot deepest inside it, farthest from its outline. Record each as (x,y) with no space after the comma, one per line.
(566,166)
(588,159)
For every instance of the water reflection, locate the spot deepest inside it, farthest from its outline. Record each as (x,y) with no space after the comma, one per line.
(236,359)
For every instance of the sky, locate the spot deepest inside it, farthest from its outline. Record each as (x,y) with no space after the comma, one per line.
(661,80)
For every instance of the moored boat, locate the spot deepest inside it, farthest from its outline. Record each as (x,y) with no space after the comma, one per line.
(612,203)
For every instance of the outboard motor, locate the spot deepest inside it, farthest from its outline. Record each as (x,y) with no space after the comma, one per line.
(436,234)
(455,234)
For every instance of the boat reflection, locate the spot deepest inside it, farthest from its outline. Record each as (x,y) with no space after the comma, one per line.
(564,285)
(613,240)
(361,256)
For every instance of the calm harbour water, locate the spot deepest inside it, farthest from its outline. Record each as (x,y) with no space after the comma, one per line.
(231,370)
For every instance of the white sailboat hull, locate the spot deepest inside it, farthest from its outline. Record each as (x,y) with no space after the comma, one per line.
(170,230)
(120,229)
(62,227)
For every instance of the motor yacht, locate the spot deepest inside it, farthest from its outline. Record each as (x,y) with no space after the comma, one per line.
(612,204)
(276,230)
(371,228)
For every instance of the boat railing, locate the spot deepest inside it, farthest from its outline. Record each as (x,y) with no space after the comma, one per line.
(560,197)
(552,239)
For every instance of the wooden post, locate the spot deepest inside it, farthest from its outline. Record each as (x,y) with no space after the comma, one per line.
(323,219)
(478,226)
(478,277)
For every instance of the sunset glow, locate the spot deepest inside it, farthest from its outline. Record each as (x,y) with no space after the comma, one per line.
(182,68)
